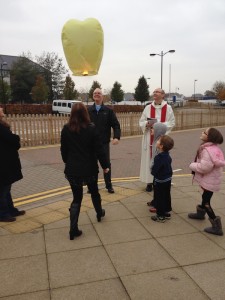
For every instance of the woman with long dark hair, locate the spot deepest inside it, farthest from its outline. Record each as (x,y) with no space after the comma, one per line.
(80,149)
(10,170)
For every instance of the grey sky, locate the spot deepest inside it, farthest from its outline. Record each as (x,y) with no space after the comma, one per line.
(132,30)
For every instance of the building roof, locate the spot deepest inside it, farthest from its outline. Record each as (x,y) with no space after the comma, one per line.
(10,60)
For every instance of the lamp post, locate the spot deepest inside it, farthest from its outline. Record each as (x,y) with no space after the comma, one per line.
(194,87)
(161,55)
(2,64)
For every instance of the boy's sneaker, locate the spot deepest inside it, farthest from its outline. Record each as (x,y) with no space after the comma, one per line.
(157,218)
(167,216)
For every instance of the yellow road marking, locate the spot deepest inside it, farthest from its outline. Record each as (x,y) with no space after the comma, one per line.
(66,189)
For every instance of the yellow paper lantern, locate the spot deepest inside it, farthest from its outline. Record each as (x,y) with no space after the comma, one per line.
(83,43)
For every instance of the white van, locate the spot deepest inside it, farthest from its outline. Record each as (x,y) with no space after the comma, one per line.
(63,106)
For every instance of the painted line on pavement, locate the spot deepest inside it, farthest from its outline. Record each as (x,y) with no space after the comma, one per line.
(66,189)
(59,191)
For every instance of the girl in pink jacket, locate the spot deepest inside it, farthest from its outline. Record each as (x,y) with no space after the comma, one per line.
(207,170)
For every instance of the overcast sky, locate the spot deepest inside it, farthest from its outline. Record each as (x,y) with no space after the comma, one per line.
(132,30)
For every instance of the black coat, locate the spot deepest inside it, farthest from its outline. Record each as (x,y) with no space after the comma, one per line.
(162,168)
(80,151)
(10,166)
(104,120)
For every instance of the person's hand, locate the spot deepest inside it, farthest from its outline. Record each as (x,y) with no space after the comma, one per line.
(115,142)
(147,125)
(106,170)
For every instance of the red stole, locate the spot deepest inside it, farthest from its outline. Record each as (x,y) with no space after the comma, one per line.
(162,120)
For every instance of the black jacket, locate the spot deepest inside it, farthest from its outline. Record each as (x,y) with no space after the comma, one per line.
(80,151)
(105,119)
(162,169)
(10,166)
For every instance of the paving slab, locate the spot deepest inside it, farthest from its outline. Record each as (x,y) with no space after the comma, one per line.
(167,284)
(209,277)
(21,245)
(43,295)
(79,266)
(23,275)
(121,231)
(111,289)
(191,248)
(88,239)
(175,226)
(113,213)
(139,257)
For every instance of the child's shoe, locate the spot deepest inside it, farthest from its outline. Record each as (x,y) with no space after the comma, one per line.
(152,209)
(157,218)
(167,216)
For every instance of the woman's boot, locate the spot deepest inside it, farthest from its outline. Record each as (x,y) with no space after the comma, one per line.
(199,215)
(100,216)
(96,200)
(216,226)
(74,215)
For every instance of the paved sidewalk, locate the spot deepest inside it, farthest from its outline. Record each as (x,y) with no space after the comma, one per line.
(126,256)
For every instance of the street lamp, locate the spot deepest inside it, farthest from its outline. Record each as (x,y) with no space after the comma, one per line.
(194,87)
(162,54)
(2,64)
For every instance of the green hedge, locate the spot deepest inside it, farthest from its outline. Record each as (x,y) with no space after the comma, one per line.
(21,109)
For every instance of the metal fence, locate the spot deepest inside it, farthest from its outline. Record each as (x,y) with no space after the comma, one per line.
(37,130)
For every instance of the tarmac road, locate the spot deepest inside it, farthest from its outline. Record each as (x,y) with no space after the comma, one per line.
(43,167)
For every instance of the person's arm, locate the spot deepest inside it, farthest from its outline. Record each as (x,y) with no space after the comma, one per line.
(12,139)
(204,165)
(64,148)
(143,122)
(156,166)
(115,126)
(99,150)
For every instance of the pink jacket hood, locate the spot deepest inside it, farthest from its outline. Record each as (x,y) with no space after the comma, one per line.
(216,154)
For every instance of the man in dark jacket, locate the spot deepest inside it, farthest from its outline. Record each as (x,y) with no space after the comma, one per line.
(104,119)
(10,170)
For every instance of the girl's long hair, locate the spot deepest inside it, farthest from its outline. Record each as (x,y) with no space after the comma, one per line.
(79,117)
(214,136)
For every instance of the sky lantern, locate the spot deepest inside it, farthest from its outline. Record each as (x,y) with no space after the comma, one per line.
(83,43)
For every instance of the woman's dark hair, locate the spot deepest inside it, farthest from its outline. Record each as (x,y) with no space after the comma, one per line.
(214,136)
(79,117)
(2,121)
(167,142)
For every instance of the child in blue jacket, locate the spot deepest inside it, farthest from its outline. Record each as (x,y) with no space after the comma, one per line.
(162,172)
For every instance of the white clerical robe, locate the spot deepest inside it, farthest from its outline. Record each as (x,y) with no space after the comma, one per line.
(146,160)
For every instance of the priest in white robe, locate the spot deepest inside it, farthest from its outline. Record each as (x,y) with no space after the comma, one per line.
(159,110)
